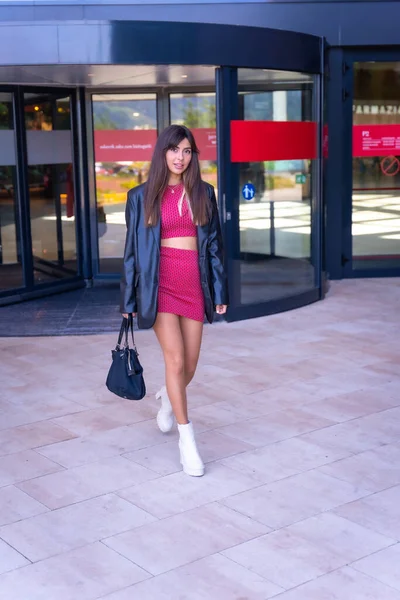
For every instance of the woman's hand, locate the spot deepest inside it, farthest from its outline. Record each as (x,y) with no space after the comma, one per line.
(221,309)
(125,315)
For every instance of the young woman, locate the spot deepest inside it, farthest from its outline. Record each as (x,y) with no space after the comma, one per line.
(173,272)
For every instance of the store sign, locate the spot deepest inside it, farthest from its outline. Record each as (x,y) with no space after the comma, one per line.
(376,109)
(257,141)
(206,140)
(114,145)
(376,140)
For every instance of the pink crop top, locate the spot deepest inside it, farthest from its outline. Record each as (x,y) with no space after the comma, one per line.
(172,223)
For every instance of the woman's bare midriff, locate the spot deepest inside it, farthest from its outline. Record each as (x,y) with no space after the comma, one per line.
(182,243)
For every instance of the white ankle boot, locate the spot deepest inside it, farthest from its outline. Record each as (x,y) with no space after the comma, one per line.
(190,457)
(165,416)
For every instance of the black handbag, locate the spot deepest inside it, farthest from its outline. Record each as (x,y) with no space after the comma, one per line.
(125,377)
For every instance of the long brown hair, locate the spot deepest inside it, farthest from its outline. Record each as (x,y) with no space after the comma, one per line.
(157,182)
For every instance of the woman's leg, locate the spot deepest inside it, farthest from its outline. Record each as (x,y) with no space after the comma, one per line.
(190,458)
(192,333)
(180,341)
(169,334)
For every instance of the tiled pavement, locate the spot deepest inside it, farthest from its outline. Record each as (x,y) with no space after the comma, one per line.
(298,418)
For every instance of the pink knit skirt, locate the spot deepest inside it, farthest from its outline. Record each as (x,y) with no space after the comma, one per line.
(179,290)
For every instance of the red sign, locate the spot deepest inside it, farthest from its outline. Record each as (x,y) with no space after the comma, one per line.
(206,140)
(376,140)
(116,145)
(256,141)
(390,165)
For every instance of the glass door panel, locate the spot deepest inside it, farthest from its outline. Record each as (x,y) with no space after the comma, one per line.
(125,132)
(11,271)
(376,166)
(276,156)
(197,111)
(51,186)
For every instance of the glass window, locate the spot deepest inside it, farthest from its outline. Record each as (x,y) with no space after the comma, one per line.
(276,193)
(11,273)
(376,165)
(198,113)
(51,186)
(125,132)
(6,111)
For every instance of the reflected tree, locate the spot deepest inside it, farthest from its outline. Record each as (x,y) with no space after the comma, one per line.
(199,114)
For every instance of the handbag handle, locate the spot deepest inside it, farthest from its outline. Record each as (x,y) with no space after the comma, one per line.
(126,325)
(130,327)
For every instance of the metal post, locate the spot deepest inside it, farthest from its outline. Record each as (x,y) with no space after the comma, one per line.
(228,178)
(317,179)
(81,140)
(22,196)
(272,228)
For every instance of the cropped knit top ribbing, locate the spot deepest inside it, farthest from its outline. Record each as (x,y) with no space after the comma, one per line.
(174,225)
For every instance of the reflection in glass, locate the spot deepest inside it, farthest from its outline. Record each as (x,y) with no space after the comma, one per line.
(52,221)
(43,113)
(125,130)
(11,275)
(198,113)
(51,187)
(6,111)
(376,179)
(38,116)
(275,216)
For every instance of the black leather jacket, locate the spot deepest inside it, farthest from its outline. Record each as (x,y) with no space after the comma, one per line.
(139,284)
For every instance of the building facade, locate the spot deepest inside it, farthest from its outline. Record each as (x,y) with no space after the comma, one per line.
(295,107)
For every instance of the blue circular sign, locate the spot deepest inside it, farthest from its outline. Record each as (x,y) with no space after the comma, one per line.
(248,191)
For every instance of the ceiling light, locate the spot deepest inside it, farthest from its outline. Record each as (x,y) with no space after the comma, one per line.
(184,76)
(136,114)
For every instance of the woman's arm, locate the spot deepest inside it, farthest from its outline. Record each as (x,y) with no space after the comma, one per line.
(128,297)
(215,254)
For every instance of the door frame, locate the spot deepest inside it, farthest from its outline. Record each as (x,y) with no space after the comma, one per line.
(55,92)
(30,289)
(226,91)
(163,120)
(349,58)
(228,175)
